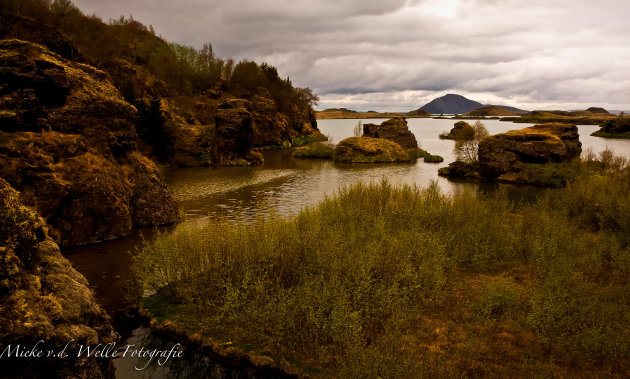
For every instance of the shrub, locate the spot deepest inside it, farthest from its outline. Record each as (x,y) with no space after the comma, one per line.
(497,299)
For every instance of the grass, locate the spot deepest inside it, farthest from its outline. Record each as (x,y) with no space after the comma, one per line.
(386,281)
(322,150)
(311,138)
(598,133)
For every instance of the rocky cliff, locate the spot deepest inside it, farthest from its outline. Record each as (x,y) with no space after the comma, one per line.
(43,298)
(68,144)
(395,130)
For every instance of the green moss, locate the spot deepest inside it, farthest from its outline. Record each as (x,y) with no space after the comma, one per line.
(433,159)
(416,153)
(369,150)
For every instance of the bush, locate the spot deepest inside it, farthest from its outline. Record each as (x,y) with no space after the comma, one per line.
(349,284)
(497,299)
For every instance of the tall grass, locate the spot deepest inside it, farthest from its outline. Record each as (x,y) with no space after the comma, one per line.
(342,286)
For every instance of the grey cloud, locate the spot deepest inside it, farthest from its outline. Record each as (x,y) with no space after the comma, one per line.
(390,54)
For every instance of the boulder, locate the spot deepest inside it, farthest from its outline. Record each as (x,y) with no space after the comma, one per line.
(395,130)
(68,144)
(506,153)
(461,131)
(369,150)
(42,297)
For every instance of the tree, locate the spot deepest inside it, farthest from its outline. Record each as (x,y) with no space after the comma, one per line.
(358,129)
(468,150)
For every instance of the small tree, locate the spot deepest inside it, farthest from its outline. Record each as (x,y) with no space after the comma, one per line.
(358,129)
(468,150)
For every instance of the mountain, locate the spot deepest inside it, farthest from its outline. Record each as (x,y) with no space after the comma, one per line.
(451,104)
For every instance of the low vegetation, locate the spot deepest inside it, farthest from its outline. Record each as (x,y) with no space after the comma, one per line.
(433,158)
(386,281)
(323,150)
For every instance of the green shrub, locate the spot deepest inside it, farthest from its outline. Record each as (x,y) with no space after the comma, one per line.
(343,285)
(497,299)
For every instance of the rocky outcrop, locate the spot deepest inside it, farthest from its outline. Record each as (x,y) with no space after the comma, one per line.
(515,155)
(369,150)
(68,144)
(615,128)
(270,127)
(461,131)
(395,130)
(43,298)
(234,134)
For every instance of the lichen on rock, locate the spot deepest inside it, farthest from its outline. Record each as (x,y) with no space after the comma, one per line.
(68,144)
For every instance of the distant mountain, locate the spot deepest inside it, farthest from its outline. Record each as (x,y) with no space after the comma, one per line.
(451,104)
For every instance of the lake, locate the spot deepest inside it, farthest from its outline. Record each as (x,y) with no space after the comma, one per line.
(284,185)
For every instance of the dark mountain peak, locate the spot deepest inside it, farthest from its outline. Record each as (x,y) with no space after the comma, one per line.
(451,104)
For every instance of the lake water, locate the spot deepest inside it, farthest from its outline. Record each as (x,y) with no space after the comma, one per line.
(285,185)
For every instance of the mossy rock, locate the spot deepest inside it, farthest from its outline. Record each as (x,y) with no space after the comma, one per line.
(433,159)
(417,153)
(369,150)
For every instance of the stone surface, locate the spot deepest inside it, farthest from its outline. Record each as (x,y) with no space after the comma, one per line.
(395,130)
(68,144)
(234,135)
(42,297)
(369,150)
(539,144)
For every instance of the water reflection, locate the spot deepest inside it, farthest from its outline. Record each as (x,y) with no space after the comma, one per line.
(285,185)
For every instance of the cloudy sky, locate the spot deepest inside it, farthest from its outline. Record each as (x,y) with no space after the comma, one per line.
(399,54)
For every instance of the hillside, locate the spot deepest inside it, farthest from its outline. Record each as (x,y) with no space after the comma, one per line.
(343,113)
(489,111)
(451,104)
(176,89)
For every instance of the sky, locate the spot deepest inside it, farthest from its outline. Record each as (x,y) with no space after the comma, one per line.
(397,55)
